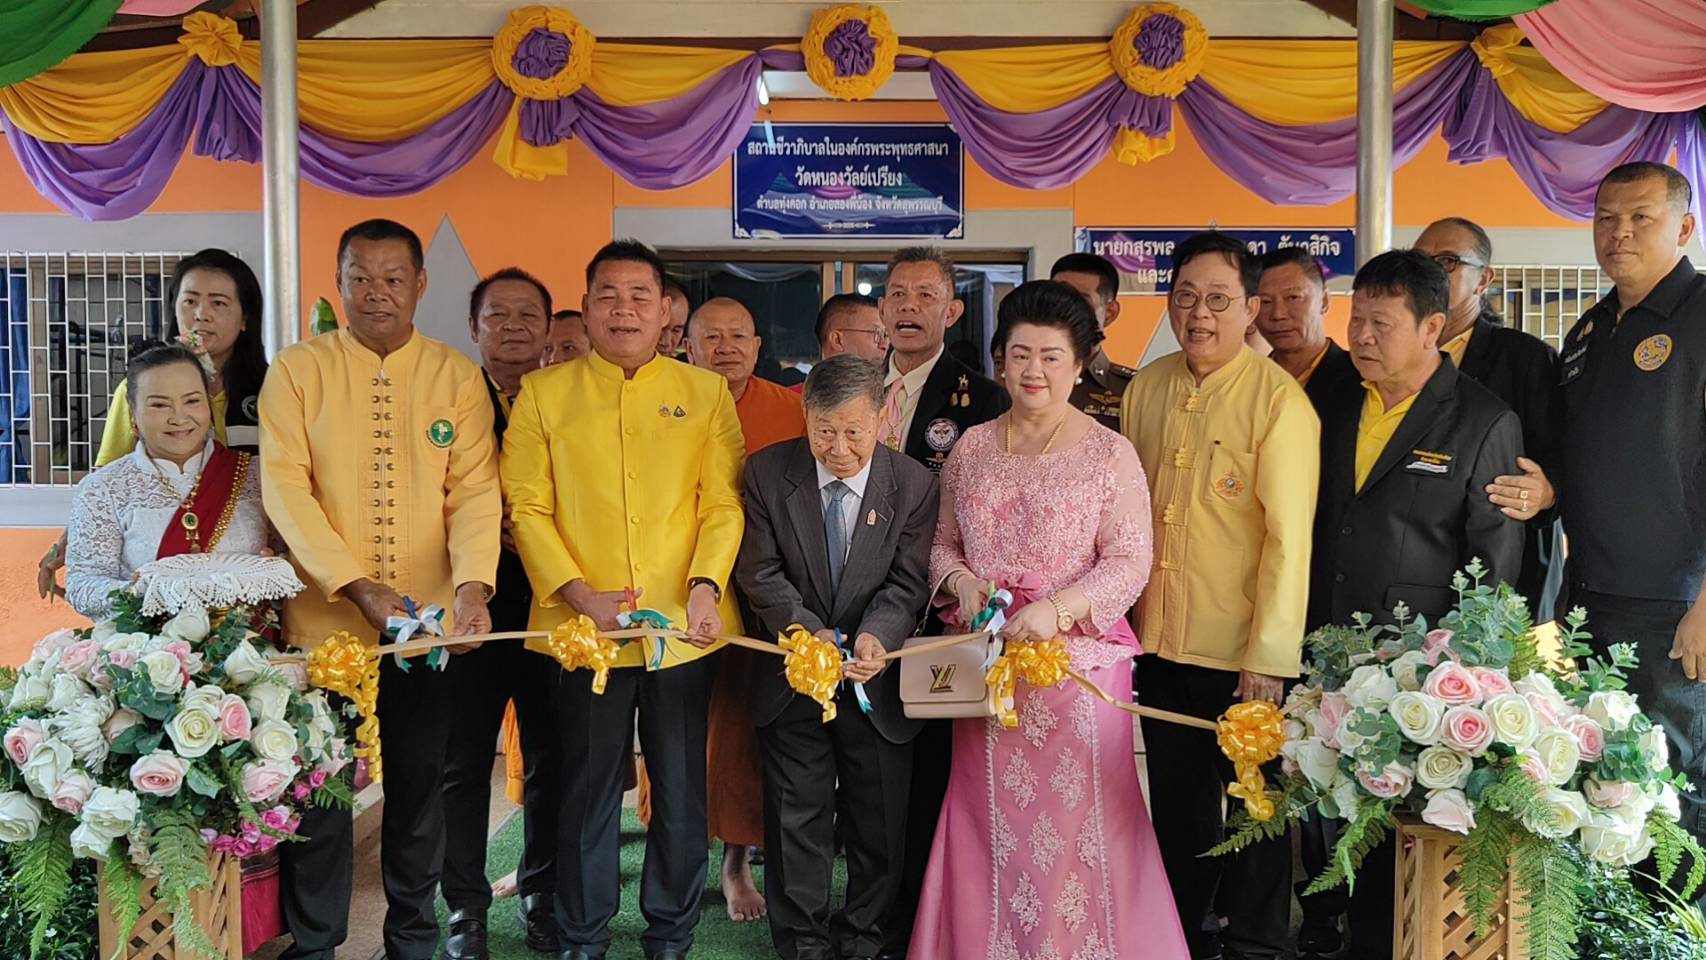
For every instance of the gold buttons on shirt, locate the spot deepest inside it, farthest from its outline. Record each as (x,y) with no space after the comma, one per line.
(1172,516)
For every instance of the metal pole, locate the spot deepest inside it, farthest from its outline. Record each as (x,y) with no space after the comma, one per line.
(1374,127)
(280,169)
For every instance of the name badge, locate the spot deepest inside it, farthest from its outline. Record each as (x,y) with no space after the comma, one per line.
(1429,463)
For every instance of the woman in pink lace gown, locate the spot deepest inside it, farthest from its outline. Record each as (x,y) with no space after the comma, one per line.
(1044,850)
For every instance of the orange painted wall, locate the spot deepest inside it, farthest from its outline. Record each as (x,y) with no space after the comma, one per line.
(28,618)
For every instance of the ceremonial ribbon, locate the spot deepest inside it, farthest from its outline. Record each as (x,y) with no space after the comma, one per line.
(1251,734)
(813,666)
(858,687)
(577,645)
(346,666)
(635,619)
(428,620)
(1040,663)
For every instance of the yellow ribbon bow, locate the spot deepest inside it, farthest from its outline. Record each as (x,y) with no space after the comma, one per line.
(1042,663)
(1250,735)
(577,645)
(213,38)
(346,666)
(813,667)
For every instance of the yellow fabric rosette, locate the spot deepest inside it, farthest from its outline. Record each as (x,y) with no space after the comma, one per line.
(213,38)
(577,645)
(565,81)
(346,666)
(1042,663)
(1166,81)
(812,667)
(1250,735)
(820,66)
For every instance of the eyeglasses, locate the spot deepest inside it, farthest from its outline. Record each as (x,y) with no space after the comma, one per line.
(1188,300)
(878,334)
(1451,261)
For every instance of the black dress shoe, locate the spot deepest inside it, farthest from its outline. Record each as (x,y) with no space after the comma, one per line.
(465,937)
(539,920)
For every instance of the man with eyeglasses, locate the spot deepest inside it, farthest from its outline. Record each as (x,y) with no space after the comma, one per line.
(1231,446)
(851,323)
(1099,390)
(1519,369)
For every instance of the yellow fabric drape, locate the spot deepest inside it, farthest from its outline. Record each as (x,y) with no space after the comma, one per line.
(378,90)
(93,97)
(1301,82)
(1030,79)
(1532,85)
(634,74)
(521,159)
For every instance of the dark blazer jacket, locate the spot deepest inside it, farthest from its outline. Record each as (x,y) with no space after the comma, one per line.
(1522,371)
(513,598)
(955,399)
(1423,512)
(1334,378)
(783,568)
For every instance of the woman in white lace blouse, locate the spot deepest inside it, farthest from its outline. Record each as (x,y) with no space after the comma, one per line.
(178,492)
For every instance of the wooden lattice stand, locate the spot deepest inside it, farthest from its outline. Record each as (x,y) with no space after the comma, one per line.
(1432,921)
(219,910)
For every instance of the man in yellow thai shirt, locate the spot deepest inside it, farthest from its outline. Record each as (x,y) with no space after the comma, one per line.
(378,469)
(1231,446)
(622,471)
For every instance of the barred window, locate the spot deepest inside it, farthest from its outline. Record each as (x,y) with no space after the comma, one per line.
(66,324)
(1545,300)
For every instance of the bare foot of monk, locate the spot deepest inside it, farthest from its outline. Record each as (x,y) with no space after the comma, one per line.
(505,888)
(744,900)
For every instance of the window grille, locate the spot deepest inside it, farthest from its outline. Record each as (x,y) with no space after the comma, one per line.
(1545,300)
(66,324)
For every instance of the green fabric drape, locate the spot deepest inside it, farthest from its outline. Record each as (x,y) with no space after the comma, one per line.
(37,34)
(1479,9)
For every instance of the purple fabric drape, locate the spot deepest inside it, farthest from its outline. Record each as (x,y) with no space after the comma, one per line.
(1562,170)
(677,141)
(1054,147)
(1316,164)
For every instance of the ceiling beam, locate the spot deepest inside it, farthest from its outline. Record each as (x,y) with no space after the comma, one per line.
(1415,25)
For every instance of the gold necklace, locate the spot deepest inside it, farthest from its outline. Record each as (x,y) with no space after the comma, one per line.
(190,521)
(1046,446)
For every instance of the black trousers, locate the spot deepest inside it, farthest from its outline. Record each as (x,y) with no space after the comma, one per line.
(818,776)
(1665,693)
(1187,787)
(316,878)
(414,722)
(595,733)
(932,756)
(484,682)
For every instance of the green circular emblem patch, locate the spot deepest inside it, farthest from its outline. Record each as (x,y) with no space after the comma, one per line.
(441,433)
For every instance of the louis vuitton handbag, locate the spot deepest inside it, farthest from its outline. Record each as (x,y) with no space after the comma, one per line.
(949,682)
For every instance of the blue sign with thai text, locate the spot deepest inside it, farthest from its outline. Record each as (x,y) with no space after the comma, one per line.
(1144,257)
(849,180)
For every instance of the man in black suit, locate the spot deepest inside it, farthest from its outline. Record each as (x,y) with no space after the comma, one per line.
(509,314)
(1403,503)
(1293,319)
(838,535)
(1519,369)
(930,400)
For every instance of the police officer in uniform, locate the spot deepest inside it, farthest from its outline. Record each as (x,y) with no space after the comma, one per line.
(1633,452)
(1099,391)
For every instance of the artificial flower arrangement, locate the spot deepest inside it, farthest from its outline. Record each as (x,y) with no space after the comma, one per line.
(145,742)
(1549,770)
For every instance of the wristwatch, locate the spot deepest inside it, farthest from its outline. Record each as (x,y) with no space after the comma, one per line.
(716,591)
(1063,617)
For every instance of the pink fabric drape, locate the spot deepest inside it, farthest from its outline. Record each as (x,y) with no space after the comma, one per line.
(1642,54)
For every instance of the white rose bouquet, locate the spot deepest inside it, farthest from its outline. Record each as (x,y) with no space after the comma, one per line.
(1548,768)
(146,742)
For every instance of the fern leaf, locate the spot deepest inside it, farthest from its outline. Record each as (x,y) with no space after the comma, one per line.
(182,857)
(1358,840)
(43,873)
(1486,866)
(1246,830)
(1551,880)
(123,891)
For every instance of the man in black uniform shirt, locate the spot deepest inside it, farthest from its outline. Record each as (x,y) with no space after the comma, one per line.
(1634,454)
(1099,390)
(1293,319)
(930,400)
(509,314)
(1519,369)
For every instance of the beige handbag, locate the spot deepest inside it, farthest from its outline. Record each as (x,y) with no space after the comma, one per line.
(948,683)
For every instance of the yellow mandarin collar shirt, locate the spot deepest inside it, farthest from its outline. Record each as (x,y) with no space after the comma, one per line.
(626,483)
(1314,365)
(1457,346)
(1233,467)
(378,469)
(1375,429)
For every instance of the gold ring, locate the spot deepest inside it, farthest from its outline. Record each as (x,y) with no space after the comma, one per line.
(1525,496)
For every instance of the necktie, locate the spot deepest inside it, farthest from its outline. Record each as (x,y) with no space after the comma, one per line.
(835,531)
(893,404)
